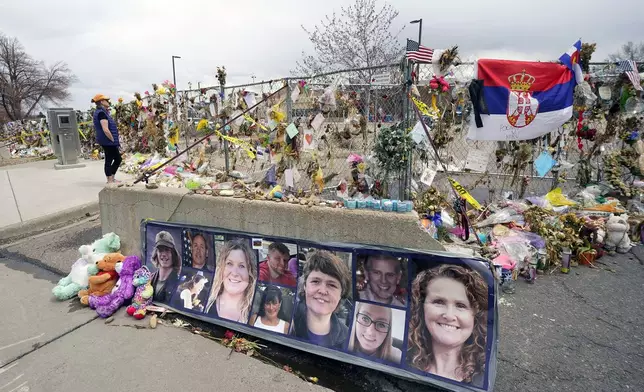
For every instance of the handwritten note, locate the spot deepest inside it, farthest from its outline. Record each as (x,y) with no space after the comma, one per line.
(477,159)
(288,178)
(295,93)
(317,121)
(291,130)
(250,99)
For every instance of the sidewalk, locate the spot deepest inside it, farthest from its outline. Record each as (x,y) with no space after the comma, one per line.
(36,189)
(47,345)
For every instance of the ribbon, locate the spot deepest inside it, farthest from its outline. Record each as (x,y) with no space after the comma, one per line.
(464,194)
(244,145)
(420,105)
(252,121)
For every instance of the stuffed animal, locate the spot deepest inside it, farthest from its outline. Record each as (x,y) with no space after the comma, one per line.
(77,280)
(106,305)
(143,293)
(109,243)
(617,229)
(104,281)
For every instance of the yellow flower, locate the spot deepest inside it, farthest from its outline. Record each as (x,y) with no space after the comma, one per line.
(139,103)
(361,167)
(203,124)
(161,90)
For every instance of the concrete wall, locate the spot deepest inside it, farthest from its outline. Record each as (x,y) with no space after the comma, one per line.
(122,210)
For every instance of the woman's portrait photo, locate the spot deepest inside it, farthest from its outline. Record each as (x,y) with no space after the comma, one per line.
(232,291)
(448,323)
(192,292)
(273,308)
(198,250)
(382,278)
(324,299)
(378,332)
(165,262)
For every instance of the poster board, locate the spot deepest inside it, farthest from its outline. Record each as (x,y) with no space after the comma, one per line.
(388,309)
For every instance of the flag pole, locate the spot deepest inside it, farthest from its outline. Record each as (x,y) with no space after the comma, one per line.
(438,158)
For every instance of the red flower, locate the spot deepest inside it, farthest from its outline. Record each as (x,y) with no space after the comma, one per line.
(229,335)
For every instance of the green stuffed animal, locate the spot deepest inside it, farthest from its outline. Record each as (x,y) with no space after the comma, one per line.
(77,280)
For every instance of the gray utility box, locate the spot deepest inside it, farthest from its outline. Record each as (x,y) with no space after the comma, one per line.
(64,135)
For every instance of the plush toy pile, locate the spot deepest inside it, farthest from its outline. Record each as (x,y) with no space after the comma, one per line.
(78,279)
(105,280)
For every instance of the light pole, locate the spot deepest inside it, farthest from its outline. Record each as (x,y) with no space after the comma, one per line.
(420,28)
(174,75)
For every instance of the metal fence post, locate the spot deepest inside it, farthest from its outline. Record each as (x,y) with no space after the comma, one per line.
(365,132)
(226,157)
(289,102)
(408,171)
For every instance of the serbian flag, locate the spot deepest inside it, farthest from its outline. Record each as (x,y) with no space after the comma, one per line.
(519,100)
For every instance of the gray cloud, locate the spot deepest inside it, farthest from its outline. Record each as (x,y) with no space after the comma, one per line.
(121,46)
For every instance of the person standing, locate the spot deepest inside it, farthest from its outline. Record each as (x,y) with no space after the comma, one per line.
(107,135)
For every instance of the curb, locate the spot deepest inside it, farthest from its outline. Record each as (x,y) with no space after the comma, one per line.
(46,223)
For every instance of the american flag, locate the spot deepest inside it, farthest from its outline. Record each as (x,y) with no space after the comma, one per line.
(630,67)
(418,52)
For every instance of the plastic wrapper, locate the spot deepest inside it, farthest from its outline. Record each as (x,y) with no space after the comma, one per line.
(540,201)
(517,247)
(505,215)
(558,199)
(635,206)
(447,219)
(586,199)
(584,95)
(533,239)
(327,99)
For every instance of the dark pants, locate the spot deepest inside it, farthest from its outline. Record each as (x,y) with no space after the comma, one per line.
(112,160)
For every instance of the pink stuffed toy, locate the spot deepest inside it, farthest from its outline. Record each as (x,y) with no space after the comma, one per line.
(106,305)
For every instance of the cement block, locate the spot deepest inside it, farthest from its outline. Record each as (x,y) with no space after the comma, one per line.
(122,210)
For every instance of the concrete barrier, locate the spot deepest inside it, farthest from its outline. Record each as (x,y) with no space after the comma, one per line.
(123,208)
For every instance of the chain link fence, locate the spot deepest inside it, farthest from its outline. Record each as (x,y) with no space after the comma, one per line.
(354,105)
(501,169)
(365,100)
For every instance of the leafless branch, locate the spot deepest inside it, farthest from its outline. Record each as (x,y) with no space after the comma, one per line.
(359,37)
(27,84)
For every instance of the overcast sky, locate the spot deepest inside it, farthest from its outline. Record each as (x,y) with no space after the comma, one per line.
(117,47)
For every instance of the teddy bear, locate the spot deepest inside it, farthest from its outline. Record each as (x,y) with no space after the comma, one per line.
(617,229)
(77,280)
(106,305)
(104,281)
(143,294)
(109,243)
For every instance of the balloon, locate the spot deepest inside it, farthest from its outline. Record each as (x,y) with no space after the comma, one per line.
(634,105)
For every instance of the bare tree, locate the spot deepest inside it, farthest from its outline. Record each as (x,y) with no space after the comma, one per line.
(629,51)
(359,37)
(27,84)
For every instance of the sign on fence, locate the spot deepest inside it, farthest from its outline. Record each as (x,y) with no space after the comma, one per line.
(404,312)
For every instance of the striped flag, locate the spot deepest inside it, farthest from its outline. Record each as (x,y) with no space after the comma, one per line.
(418,52)
(630,67)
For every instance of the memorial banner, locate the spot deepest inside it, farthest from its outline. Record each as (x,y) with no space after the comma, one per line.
(430,317)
